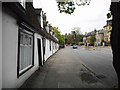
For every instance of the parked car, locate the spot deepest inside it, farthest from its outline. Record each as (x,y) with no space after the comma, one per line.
(75,47)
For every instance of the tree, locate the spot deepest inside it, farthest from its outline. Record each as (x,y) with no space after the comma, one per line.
(58,35)
(78,37)
(109,15)
(68,6)
(92,40)
(70,39)
(74,38)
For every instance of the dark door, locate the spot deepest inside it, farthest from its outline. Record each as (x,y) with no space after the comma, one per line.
(43,42)
(39,52)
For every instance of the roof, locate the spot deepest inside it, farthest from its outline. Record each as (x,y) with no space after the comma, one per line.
(101,31)
(27,16)
(91,33)
(38,11)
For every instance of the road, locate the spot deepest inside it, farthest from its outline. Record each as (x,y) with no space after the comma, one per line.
(98,61)
(76,68)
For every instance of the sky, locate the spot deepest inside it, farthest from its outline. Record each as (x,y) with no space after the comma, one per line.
(87,17)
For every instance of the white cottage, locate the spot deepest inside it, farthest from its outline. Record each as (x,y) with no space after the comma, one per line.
(25,43)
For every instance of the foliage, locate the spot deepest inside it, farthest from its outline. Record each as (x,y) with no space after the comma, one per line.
(109,15)
(80,38)
(67,7)
(58,35)
(77,34)
(92,39)
(70,39)
(103,40)
(74,39)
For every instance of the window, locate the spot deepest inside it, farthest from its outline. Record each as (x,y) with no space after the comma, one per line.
(22,2)
(25,54)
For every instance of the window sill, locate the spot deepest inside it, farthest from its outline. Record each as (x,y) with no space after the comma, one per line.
(24,70)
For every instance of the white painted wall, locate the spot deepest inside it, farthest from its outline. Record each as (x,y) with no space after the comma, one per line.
(37,36)
(10,50)
(0,45)
(54,50)
(48,53)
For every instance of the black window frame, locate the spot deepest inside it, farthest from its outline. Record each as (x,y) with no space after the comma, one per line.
(25,30)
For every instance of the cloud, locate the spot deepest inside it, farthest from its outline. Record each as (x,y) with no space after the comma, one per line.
(86,17)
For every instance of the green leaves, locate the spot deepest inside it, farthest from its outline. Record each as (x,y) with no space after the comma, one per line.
(109,15)
(67,7)
(92,39)
(58,35)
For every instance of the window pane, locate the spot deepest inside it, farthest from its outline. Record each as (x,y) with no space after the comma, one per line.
(26,51)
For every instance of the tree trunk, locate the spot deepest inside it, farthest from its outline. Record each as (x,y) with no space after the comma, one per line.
(115,37)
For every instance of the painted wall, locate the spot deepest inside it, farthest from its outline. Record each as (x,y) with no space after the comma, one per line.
(48,53)
(0,45)
(10,50)
(37,36)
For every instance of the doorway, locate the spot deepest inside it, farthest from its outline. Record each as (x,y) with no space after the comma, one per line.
(39,52)
(43,43)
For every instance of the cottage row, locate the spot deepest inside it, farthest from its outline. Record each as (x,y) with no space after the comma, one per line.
(27,42)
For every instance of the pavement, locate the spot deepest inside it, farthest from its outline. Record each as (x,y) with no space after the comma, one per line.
(62,71)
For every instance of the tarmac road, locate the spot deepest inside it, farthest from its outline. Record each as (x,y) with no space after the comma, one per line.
(75,68)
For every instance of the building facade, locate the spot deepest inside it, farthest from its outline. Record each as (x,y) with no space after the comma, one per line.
(25,43)
(107,31)
(102,35)
(99,37)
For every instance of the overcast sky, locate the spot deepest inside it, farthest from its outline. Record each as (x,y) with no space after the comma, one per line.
(87,17)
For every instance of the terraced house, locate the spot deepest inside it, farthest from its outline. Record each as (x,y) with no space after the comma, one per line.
(107,31)
(27,42)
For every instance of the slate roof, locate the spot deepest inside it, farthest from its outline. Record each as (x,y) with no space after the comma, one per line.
(101,31)
(27,16)
(91,33)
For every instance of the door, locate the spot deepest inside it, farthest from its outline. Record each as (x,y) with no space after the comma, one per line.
(39,52)
(43,42)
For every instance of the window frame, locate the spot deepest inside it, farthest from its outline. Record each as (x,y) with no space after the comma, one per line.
(26,31)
